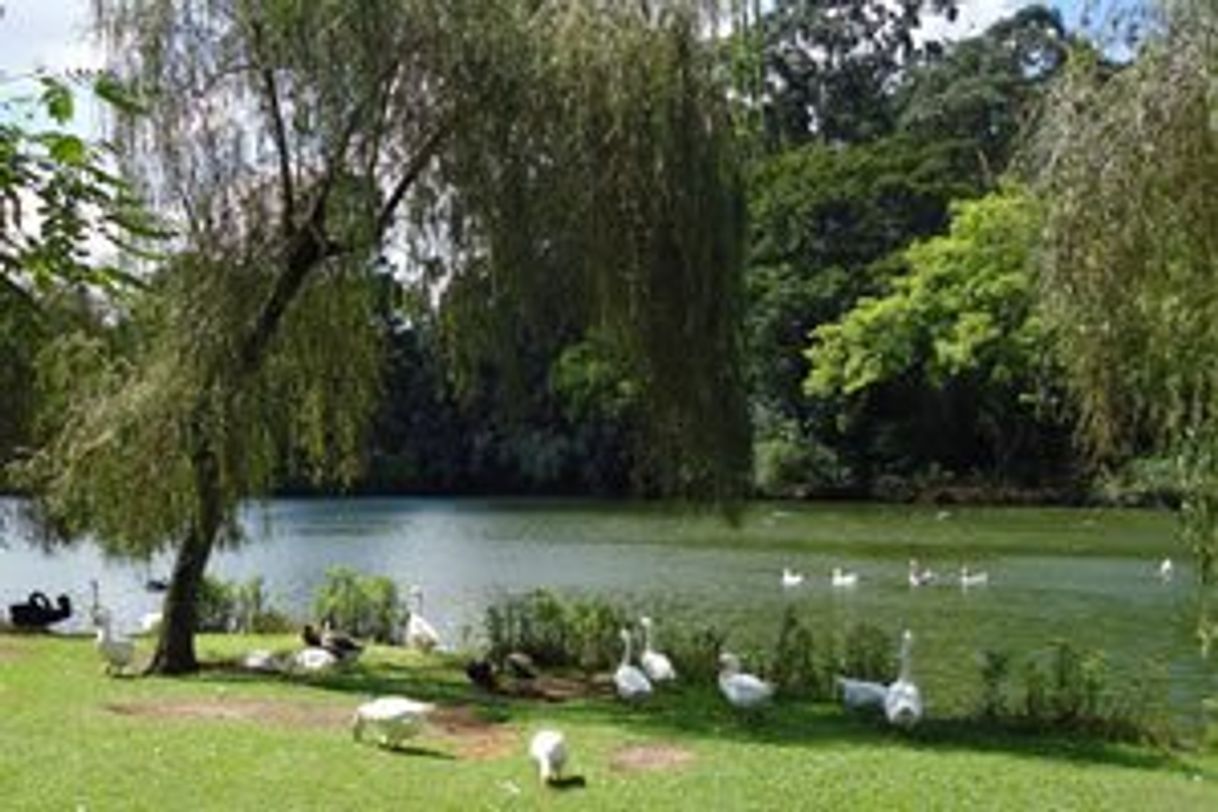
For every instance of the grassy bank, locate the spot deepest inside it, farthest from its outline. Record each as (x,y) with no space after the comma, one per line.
(71,738)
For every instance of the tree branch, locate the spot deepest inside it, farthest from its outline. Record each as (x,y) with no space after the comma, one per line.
(426,151)
(278,130)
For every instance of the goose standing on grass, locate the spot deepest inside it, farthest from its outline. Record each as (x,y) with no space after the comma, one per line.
(631,683)
(741,690)
(549,749)
(791,578)
(419,633)
(1166,570)
(392,718)
(843,578)
(658,666)
(314,659)
(903,702)
(968,578)
(117,651)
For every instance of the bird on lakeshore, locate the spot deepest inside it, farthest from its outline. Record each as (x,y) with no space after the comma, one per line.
(631,683)
(393,718)
(520,665)
(658,666)
(860,694)
(742,690)
(903,702)
(38,612)
(918,575)
(841,578)
(117,651)
(1166,570)
(791,578)
(314,659)
(151,621)
(343,646)
(481,672)
(968,578)
(549,749)
(419,633)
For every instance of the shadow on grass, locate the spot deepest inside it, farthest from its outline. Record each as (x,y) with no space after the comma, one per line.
(699,712)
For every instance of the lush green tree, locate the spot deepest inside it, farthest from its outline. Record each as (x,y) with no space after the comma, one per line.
(961,322)
(829,66)
(575,156)
(1129,166)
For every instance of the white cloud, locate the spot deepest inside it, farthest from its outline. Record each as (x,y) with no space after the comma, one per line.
(50,34)
(974,17)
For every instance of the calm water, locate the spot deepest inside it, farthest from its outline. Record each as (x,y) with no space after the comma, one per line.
(1086,576)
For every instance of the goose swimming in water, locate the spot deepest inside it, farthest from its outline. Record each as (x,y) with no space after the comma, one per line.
(791,578)
(843,578)
(968,578)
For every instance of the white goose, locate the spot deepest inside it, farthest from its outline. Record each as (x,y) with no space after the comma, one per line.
(860,694)
(843,578)
(549,749)
(117,651)
(791,578)
(1166,570)
(393,718)
(903,702)
(631,683)
(741,690)
(919,576)
(968,578)
(419,633)
(658,667)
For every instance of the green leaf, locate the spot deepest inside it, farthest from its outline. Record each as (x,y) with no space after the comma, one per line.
(57,98)
(118,95)
(68,150)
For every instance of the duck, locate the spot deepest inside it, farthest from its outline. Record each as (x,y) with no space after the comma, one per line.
(631,683)
(968,578)
(520,665)
(343,646)
(38,612)
(394,718)
(740,689)
(860,694)
(919,576)
(419,633)
(549,749)
(1166,570)
(658,666)
(903,701)
(118,652)
(791,578)
(843,578)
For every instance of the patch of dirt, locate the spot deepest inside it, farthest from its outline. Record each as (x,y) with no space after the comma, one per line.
(474,738)
(289,714)
(557,689)
(648,757)
(9,652)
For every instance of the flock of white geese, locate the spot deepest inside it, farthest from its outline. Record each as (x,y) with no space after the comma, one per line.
(840,578)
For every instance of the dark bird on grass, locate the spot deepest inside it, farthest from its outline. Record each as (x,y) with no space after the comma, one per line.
(481,672)
(38,612)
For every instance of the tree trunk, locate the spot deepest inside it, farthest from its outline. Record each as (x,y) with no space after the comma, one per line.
(175,653)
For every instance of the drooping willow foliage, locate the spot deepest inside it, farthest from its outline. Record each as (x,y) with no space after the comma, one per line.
(1129,166)
(572,157)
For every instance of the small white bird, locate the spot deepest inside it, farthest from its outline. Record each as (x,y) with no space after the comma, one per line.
(393,718)
(918,575)
(968,578)
(1166,570)
(549,749)
(631,683)
(741,690)
(419,633)
(860,694)
(658,666)
(903,702)
(314,659)
(843,578)
(261,659)
(117,651)
(791,578)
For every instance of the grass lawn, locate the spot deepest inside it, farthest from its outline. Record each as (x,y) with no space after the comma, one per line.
(72,738)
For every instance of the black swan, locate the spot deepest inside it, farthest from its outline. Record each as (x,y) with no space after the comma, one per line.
(38,611)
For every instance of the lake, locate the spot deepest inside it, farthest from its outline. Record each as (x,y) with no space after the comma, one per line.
(1087,576)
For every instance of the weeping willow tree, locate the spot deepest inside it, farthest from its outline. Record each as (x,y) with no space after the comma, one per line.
(1129,165)
(572,157)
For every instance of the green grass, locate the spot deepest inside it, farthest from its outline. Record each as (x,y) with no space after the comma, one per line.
(63,746)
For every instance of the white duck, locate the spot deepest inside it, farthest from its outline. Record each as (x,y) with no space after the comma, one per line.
(968,578)
(117,651)
(919,576)
(658,667)
(903,702)
(549,749)
(631,683)
(1166,570)
(860,694)
(419,633)
(843,578)
(393,718)
(314,659)
(791,578)
(741,690)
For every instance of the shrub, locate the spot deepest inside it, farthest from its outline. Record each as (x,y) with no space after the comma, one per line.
(555,631)
(869,654)
(231,606)
(995,669)
(793,665)
(361,605)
